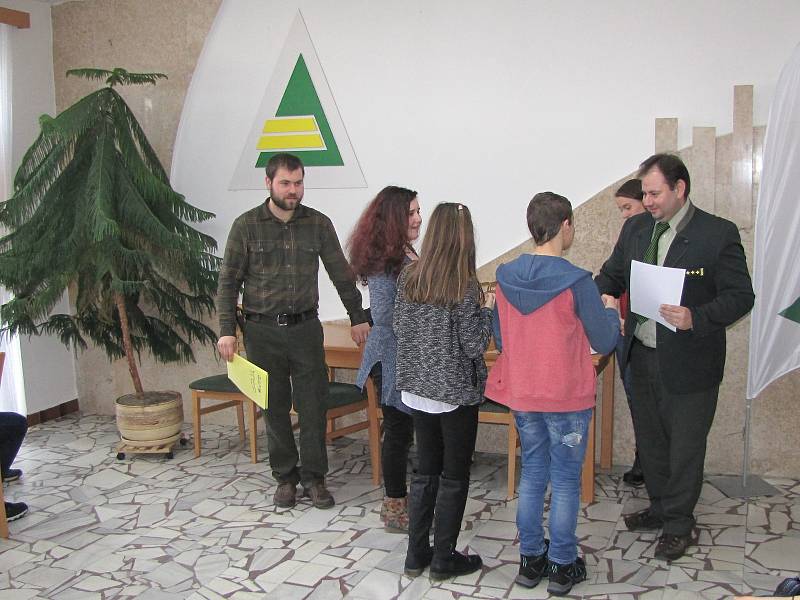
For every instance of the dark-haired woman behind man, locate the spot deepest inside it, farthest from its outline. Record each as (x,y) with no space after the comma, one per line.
(443,325)
(628,199)
(380,247)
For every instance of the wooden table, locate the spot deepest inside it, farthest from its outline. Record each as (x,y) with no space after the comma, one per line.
(342,352)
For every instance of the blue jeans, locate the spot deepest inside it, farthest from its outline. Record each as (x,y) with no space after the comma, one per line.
(12,431)
(553,449)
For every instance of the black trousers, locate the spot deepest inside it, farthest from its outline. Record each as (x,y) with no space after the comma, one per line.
(294,357)
(671,432)
(13,428)
(398,435)
(446,442)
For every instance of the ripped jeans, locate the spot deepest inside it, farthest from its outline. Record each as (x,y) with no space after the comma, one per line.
(553,449)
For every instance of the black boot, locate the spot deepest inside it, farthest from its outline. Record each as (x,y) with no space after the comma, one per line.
(635,477)
(421,502)
(450,503)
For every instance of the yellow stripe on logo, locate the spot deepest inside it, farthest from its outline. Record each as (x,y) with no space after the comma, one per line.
(311,141)
(291,125)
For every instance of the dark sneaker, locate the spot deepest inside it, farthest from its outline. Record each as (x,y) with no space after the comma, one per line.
(416,564)
(12,475)
(15,510)
(672,547)
(454,565)
(563,577)
(319,494)
(644,520)
(286,495)
(532,568)
(788,587)
(634,477)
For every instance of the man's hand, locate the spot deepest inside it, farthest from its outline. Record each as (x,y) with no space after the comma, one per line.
(359,333)
(610,301)
(679,316)
(227,346)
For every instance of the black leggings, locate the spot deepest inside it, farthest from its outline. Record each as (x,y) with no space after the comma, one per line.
(12,431)
(398,435)
(446,442)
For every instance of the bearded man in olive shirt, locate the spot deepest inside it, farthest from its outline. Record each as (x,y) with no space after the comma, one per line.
(274,250)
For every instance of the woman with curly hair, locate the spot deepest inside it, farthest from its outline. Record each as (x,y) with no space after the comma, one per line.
(379,247)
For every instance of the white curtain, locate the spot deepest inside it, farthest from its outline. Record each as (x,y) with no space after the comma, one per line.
(12,388)
(775,337)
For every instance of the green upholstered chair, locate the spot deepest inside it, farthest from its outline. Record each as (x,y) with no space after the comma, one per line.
(343,399)
(225,394)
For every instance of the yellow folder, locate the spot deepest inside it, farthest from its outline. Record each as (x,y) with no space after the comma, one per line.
(251,380)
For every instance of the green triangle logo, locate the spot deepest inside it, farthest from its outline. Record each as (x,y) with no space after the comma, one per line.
(316,147)
(793,312)
(298,114)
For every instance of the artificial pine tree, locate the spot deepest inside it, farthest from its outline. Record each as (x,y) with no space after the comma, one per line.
(93,211)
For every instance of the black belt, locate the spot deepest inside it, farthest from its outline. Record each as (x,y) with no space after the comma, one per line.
(639,343)
(282,319)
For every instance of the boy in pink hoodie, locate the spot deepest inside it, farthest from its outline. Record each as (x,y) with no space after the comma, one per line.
(548,314)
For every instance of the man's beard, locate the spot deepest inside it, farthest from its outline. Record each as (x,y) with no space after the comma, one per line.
(284,203)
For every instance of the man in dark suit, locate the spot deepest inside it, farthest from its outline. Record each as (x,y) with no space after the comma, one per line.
(676,375)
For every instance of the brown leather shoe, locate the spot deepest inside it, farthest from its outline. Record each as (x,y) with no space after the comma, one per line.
(286,495)
(644,520)
(671,547)
(319,494)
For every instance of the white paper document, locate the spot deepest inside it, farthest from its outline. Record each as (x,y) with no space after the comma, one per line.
(652,286)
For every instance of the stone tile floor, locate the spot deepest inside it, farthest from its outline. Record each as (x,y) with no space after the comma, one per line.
(153,529)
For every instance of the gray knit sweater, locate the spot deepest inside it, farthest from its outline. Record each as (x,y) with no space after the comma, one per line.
(440,350)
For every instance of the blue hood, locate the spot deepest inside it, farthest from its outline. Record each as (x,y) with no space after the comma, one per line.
(530,281)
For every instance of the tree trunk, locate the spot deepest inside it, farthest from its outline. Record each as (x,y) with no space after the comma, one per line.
(119,299)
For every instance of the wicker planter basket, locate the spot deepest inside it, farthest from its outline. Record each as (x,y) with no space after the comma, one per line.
(151,418)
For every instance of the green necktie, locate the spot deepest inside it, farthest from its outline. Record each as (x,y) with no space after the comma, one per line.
(651,253)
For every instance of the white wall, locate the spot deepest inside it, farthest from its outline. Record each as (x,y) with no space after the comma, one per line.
(48,366)
(33,88)
(482,102)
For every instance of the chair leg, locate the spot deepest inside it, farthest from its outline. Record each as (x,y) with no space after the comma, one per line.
(252,413)
(3,521)
(240,418)
(512,458)
(607,414)
(196,411)
(587,473)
